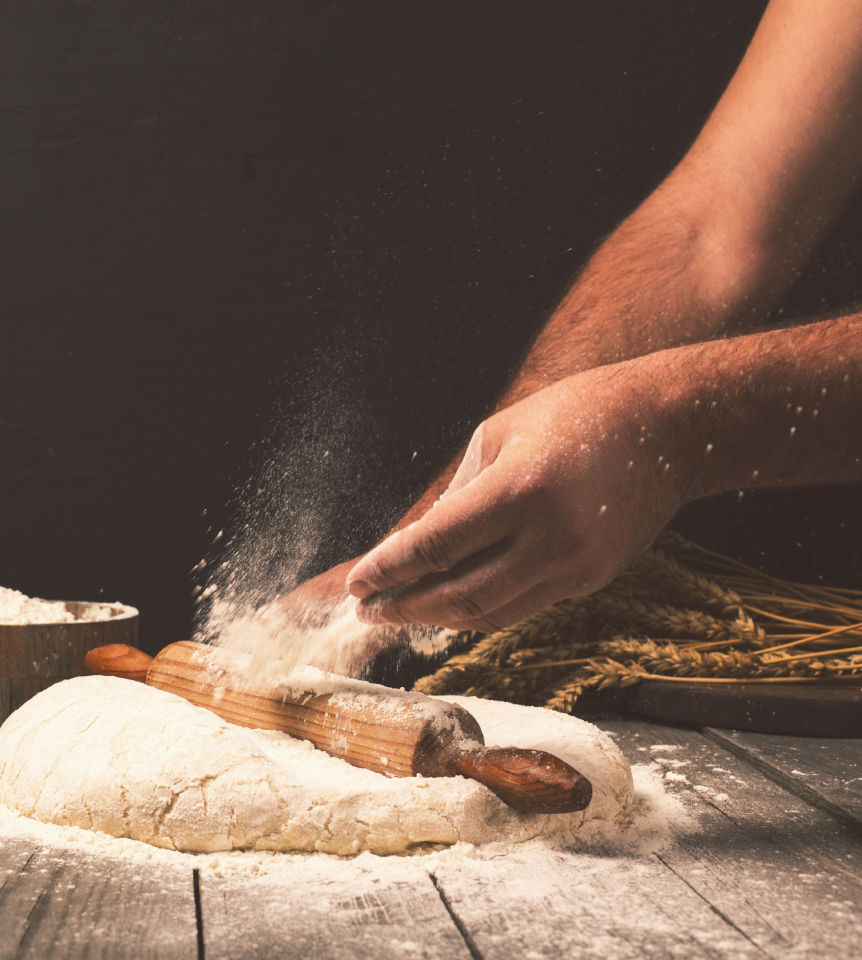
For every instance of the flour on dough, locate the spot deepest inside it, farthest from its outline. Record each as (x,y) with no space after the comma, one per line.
(131,761)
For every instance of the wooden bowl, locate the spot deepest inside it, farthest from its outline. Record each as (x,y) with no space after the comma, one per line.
(35,655)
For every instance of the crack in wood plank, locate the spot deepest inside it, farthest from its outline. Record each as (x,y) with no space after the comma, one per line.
(459,923)
(199,915)
(784,871)
(70,905)
(784,780)
(347,911)
(720,913)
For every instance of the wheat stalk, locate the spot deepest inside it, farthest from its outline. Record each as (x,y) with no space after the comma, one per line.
(680,612)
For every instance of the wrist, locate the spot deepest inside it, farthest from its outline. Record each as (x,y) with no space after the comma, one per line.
(681,435)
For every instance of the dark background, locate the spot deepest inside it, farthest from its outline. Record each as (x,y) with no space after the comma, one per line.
(238,235)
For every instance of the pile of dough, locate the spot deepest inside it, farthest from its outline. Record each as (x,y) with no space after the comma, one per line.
(131,761)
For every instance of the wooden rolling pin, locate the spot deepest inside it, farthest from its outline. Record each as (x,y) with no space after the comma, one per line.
(389,731)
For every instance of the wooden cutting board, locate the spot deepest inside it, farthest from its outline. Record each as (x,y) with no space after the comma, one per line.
(813,710)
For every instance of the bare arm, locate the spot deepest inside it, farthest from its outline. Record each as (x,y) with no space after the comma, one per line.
(723,238)
(560,491)
(720,241)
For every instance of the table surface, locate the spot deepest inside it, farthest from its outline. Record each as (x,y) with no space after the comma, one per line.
(774,869)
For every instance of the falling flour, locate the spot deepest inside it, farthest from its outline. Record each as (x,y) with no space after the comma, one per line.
(275,645)
(136,763)
(18,609)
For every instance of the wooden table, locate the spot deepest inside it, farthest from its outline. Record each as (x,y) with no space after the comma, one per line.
(775,870)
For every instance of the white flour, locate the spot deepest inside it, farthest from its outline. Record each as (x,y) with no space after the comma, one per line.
(18,609)
(277,645)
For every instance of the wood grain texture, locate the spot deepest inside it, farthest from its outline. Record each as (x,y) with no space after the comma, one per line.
(33,656)
(13,651)
(5,698)
(824,772)
(366,915)
(66,905)
(392,732)
(786,875)
(543,904)
(532,781)
(51,650)
(119,660)
(801,709)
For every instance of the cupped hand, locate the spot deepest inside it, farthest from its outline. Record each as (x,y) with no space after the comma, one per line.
(554,496)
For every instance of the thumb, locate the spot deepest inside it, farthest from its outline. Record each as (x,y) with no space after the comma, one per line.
(476,459)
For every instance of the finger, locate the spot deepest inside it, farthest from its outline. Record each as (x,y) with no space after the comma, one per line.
(537,598)
(465,523)
(474,587)
(312,603)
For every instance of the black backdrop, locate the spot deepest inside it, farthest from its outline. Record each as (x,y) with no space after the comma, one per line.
(306,240)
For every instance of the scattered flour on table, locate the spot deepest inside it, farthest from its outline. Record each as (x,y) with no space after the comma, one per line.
(648,825)
(146,775)
(18,609)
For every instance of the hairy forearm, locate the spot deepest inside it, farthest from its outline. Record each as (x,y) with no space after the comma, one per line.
(655,283)
(777,408)
(719,243)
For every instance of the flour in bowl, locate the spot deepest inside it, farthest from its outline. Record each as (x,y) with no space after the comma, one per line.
(17,609)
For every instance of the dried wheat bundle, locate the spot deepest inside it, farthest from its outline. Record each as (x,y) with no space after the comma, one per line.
(680,612)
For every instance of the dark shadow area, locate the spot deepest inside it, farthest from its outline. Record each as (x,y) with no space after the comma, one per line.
(308,242)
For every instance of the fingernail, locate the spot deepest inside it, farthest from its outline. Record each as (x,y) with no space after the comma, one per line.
(361,589)
(368,614)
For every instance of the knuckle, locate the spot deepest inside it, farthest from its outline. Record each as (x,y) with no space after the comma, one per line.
(460,607)
(434,552)
(377,576)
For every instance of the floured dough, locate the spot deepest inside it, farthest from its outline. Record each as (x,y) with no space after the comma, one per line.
(131,761)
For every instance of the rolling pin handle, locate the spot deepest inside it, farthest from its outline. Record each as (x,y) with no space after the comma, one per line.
(531,781)
(119,660)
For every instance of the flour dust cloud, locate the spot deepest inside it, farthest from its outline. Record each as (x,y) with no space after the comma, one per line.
(296,517)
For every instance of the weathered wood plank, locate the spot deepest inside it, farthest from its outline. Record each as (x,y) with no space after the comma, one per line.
(69,906)
(826,772)
(542,904)
(14,857)
(350,912)
(787,875)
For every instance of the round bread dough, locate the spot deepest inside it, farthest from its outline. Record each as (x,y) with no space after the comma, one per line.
(131,761)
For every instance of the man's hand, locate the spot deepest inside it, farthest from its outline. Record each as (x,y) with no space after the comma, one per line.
(713,249)
(554,496)
(560,491)
(311,603)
